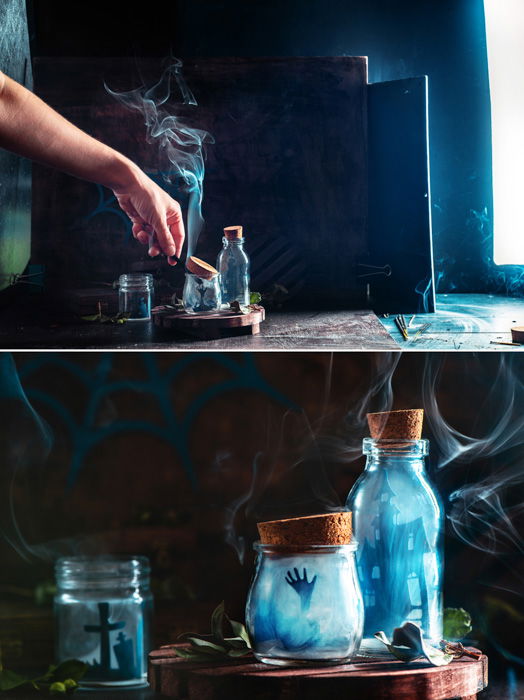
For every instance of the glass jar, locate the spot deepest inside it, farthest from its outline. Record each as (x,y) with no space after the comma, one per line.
(397,520)
(304,606)
(103,609)
(135,296)
(233,265)
(201,296)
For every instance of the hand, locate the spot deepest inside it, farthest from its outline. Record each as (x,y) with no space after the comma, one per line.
(156,217)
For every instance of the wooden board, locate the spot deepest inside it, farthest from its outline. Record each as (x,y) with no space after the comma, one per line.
(380,680)
(213,325)
(399,198)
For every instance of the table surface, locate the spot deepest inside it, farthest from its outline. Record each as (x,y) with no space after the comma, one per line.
(464,322)
(461,322)
(35,325)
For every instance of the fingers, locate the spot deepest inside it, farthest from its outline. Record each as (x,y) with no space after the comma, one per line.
(176,228)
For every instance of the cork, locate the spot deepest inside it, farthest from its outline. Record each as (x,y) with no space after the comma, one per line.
(517,334)
(391,425)
(233,232)
(200,268)
(328,528)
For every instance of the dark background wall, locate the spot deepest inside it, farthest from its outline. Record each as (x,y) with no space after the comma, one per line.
(155,454)
(444,39)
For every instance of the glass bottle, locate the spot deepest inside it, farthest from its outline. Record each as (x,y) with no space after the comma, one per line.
(103,609)
(233,266)
(397,521)
(134,296)
(304,605)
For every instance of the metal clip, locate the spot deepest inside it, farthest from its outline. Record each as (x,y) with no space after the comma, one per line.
(380,270)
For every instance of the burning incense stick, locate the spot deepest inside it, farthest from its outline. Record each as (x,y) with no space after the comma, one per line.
(421,330)
(401,325)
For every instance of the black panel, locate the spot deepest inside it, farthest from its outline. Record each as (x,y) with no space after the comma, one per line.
(399,199)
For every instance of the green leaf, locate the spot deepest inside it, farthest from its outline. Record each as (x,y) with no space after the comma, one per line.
(191,655)
(70,669)
(240,631)
(217,622)
(457,623)
(206,647)
(10,680)
(255,298)
(238,652)
(57,688)
(408,644)
(92,317)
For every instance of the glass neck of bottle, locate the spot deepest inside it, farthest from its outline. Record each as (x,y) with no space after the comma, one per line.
(233,242)
(395,454)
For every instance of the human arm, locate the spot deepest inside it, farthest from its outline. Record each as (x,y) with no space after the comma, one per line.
(32,129)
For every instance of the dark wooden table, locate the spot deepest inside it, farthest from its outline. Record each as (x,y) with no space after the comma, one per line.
(35,324)
(497,690)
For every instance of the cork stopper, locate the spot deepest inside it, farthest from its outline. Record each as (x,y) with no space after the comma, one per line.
(233,232)
(517,334)
(200,268)
(329,528)
(401,425)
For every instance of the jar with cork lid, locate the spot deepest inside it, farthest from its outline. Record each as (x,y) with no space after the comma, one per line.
(304,606)
(233,266)
(398,524)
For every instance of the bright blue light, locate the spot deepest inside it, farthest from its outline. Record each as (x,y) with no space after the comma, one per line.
(505,44)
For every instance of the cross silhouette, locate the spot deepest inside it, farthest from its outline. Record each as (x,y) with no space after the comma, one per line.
(104,628)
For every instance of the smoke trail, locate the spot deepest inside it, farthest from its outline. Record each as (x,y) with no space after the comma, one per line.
(485,511)
(291,481)
(423,289)
(25,441)
(181,148)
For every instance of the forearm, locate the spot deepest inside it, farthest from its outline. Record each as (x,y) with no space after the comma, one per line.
(32,129)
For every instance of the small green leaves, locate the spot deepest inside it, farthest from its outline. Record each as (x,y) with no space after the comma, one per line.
(407,645)
(57,688)
(57,680)
(119,318)
(216,644)
(255,298)
(10,680)
(457,623)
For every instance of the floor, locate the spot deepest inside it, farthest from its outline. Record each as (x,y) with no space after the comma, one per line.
(463,322)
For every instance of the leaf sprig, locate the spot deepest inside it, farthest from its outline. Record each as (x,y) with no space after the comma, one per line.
(57,680)
(216,645)
(408,643)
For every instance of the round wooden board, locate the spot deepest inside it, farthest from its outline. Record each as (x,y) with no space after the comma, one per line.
(211,325)
(378,679)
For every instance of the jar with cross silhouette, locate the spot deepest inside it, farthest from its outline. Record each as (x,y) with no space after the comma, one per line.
(103,609)
(304,606)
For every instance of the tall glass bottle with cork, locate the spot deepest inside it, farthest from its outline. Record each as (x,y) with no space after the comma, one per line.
(233,266)
(398,526)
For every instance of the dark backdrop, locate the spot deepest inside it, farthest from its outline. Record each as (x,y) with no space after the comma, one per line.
(444,39)
(155,454)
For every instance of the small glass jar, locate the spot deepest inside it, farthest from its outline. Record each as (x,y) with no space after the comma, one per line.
(304,606)
(135,296)
(201,296)
(103,609)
